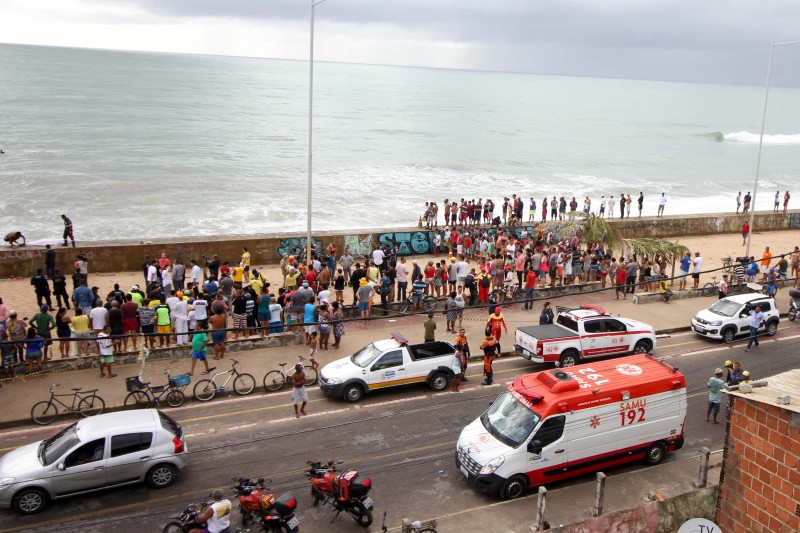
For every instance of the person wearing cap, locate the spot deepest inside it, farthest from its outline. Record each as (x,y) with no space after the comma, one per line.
(42,288)
(44,324)
(715,384)
(495,323)
(728,370)
(217,516)
(299,394)
(491,350)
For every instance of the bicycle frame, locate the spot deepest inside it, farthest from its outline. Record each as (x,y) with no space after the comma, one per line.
(77,396)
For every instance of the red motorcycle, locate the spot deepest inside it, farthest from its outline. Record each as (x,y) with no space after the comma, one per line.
(344,492)
(258,505)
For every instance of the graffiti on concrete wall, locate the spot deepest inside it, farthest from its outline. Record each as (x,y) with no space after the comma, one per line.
(358,246)
(408,242)
(294,245)
(794,220)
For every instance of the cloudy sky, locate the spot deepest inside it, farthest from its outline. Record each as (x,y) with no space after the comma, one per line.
(679,40)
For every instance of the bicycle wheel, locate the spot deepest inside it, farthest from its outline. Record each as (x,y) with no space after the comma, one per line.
(244,384)
(91,405)
(709,289)
(727,267)
(44,412)
(175,397)
(404,305)
(429,303)
(274,380)
(519,295)
(311,375)
(137,400)
(204,390)
(499,296)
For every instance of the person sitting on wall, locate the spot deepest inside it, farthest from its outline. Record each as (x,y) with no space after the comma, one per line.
(14,237)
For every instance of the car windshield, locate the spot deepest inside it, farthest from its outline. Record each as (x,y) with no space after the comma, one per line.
(725,308)
(50,450)
(509,421)
(365,355)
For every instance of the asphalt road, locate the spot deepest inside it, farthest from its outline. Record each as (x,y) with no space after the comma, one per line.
(403,439)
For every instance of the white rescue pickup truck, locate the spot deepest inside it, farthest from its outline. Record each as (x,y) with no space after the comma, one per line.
(583,333)
(388,363)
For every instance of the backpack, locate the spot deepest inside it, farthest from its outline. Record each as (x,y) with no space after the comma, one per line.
(485,283)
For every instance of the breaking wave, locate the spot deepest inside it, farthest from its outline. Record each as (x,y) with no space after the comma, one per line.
(750,138)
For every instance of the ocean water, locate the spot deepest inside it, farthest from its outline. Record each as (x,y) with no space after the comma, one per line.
(143,145)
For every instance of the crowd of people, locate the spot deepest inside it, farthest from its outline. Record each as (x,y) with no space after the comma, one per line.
(470,213)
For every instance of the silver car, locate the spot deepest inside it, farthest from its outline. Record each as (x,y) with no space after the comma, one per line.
(104,451)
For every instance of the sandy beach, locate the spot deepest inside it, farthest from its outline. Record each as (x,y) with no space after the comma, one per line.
(19,295)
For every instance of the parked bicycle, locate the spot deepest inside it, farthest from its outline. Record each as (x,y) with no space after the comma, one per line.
(727,265)
(143,395)
(711,288)
(85,403)
(243,383)
(428,304)
(509,295)
(277,379)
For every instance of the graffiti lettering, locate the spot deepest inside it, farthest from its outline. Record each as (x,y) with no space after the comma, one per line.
(358,246)
(294,245)
(794,220)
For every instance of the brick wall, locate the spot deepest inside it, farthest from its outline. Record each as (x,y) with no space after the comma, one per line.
(760,480)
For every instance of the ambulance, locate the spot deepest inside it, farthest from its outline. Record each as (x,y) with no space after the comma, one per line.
(560,423)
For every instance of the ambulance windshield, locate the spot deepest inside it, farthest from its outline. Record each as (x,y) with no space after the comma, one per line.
(509,421)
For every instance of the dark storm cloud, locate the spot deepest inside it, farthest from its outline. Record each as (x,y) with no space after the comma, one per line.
(672,37)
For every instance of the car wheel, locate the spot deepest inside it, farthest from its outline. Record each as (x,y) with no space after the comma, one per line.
(161,476)
(642,347)
(514,487)
(728,334)
(353,393)
(439,381)
(29,501)
(569,358)
(772,328)
(655,454)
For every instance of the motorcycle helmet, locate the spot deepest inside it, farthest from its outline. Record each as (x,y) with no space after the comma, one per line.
(266,501)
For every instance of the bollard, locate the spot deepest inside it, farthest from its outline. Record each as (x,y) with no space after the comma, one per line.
(406,526)
(538,523)
(599,494)
(702,477)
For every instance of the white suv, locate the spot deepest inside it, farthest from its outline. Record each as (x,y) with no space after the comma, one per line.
(730,317)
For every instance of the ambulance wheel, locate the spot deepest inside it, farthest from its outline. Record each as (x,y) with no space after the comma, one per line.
(654,454)
(569,358)
(514,487)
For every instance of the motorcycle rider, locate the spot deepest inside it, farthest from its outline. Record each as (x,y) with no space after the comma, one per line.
(216,517)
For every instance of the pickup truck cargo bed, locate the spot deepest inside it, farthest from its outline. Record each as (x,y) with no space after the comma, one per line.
(546,332)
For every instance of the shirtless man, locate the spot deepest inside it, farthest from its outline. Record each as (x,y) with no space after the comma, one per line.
(217,323)
(13,237)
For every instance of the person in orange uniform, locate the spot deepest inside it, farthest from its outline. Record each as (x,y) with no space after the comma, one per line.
(461,340)
(491,349)
(495,322)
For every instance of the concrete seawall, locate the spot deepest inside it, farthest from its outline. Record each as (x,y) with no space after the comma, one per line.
(120,256)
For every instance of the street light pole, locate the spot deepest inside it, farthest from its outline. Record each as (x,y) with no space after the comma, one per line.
(761,141)
(310,129)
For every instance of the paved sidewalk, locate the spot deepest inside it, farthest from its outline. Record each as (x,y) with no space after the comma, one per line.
(18,397)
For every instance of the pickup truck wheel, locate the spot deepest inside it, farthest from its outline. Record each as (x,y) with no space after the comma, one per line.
(728,334)
(772,328)
(353,393)
(655,454)
(569,358)
(514,487)
(438,382)
(642,347)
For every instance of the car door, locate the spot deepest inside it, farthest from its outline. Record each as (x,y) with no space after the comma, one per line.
(81,469)
(547,449)
(388,370)
(594,341)
(129,457)
(618,338)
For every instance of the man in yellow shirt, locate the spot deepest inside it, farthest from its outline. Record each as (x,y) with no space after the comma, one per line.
(245,263)
(238,275)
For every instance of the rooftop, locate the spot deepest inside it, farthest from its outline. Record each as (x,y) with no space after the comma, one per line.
(780,385)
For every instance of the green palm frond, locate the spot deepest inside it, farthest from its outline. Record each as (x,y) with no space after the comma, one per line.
(649,247)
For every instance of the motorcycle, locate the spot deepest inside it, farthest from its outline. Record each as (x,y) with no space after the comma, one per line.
(794,304)
(344,492)
(187,520)
(257,505)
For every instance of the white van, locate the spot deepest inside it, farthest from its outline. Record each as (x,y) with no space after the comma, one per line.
(560,423)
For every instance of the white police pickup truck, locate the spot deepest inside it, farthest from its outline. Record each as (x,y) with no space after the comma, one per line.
(388,363)
(582,333)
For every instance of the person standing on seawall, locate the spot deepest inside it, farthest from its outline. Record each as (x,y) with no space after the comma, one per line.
(786,197)
(738,202)
(641,202)
(777,201)
(662,201)
(68,233)
(746,203)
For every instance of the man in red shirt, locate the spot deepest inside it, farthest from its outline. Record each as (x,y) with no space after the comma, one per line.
(530,283)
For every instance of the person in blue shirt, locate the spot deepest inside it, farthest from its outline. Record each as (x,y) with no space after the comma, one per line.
(771,282)
(309,312)
(83,297)
(686,262)
(33,350)
(756,319)
(752,270)
(714,397)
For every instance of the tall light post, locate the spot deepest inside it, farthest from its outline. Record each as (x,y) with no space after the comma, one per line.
(761,141)
(309,242)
